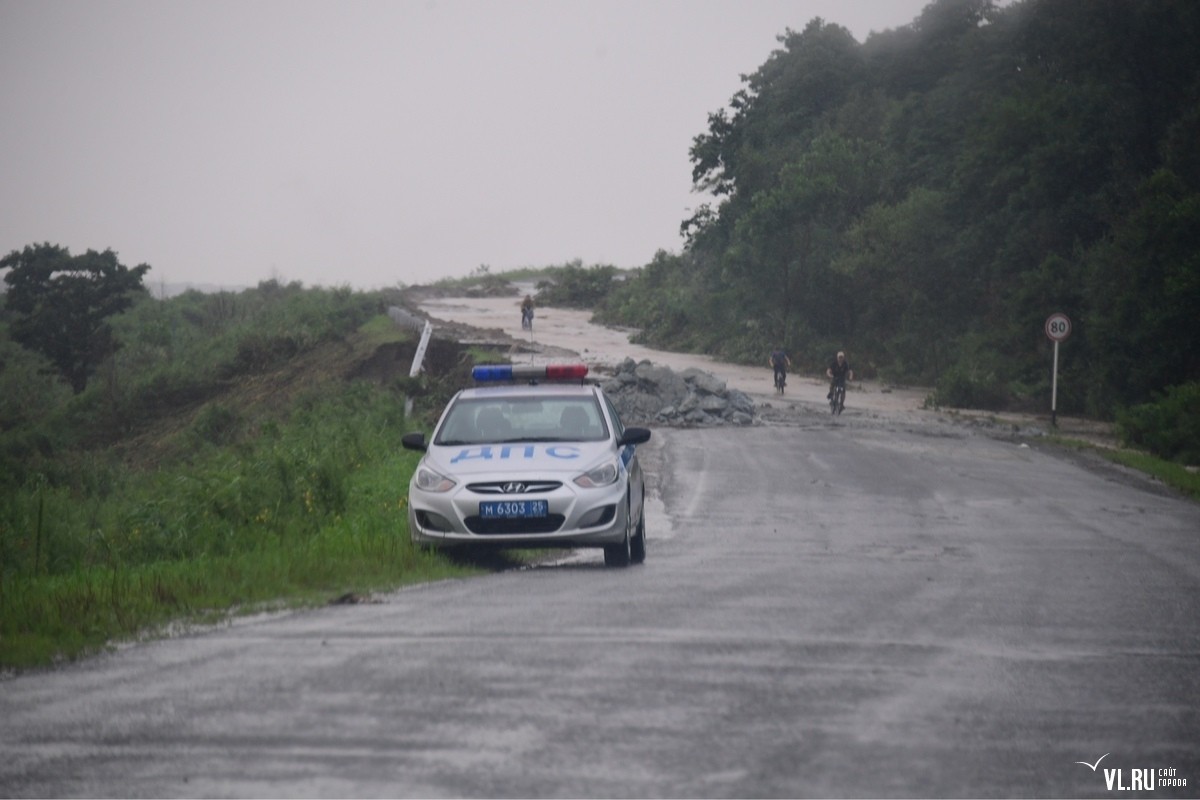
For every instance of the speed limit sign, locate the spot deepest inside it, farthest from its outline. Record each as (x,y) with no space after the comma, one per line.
(1058,327)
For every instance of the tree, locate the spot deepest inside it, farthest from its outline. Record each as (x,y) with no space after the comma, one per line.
(907,281)
(61,304)
(779,111)
(1144,289)
(784,243)
(929,196)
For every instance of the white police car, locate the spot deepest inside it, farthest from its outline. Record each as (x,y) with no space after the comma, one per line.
(544,464)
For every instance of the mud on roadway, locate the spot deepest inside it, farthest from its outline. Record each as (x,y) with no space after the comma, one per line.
(562,333)
(567,334)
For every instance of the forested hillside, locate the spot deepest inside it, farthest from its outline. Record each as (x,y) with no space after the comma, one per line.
(925,200)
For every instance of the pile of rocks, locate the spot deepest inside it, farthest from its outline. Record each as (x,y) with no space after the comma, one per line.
(645,394)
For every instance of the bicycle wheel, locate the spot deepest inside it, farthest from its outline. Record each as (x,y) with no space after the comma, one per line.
(837,399)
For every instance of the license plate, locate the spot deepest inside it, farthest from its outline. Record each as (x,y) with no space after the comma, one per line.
(514,509)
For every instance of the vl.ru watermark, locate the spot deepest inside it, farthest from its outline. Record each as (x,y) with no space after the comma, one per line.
(1138,779)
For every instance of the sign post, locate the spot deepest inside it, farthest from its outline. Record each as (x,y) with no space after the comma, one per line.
(1058,328)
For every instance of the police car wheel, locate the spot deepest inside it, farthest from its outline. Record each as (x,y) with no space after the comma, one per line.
(637,546)
(621,555)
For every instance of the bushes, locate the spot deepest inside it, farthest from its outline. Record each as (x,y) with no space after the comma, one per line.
(975,378)
(312,504)
(968,387)
(1169,427)
(175,354)
(287,482)
(68,502)
(575,286)
(216,424)
(28,384)
(223,459)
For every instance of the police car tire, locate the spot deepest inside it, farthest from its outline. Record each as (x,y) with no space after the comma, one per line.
(637,547)
(620,555)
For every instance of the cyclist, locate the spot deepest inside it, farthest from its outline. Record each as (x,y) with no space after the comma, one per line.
(839,372)
(780,362)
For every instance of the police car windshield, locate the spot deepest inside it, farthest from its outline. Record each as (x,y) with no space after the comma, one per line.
(534,419)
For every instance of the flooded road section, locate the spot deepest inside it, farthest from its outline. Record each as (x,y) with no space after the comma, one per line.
(566,333)
(570,331)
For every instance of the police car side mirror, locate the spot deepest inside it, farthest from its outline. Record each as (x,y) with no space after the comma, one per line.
(414,441)
(634,436)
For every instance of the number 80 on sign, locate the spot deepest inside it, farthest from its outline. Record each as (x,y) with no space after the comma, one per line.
(1058,327)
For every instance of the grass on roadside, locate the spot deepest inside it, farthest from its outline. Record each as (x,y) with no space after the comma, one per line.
(49,620)
(1170,473)
(303,511)
(1174,475)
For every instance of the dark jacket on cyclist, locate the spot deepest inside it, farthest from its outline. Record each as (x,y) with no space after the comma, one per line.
(839,370)
(779,361)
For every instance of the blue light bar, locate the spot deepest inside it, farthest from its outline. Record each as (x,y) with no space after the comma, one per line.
(492,373)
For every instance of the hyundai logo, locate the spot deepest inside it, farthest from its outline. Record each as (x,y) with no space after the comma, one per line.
(514,488)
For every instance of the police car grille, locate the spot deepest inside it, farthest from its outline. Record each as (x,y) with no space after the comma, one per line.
(514,487)
(500,527)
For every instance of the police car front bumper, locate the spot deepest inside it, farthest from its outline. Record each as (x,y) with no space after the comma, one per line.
(575,517)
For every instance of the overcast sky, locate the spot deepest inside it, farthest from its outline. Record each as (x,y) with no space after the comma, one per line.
(370,143)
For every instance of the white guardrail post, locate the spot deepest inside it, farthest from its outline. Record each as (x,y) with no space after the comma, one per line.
(419,358)
(405,319)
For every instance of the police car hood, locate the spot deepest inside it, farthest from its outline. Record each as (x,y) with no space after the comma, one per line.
(517,458)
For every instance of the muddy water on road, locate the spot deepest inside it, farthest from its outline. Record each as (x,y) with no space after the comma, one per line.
(566,333)
(571,330)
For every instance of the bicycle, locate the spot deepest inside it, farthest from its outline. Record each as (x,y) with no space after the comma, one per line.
(837,397)
(780,380)
(527,319)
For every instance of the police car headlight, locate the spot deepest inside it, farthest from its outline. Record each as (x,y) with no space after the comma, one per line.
(431,481)
(604,475)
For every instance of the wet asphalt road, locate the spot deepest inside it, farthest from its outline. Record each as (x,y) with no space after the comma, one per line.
(837,609)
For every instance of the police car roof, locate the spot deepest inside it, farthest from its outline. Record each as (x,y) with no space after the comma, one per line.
(510,391)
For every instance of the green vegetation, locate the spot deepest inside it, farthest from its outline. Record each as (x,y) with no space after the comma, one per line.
(569,285)
(573,285)
(925,199)
(482,282)
(236,453)
(1168,427)
(1172,474)
(61,304)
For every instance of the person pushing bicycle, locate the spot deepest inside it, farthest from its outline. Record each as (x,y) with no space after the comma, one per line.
(527,313)
(780,362)
(838,373)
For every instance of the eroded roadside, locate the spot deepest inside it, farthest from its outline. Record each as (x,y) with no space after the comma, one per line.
(569,333)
